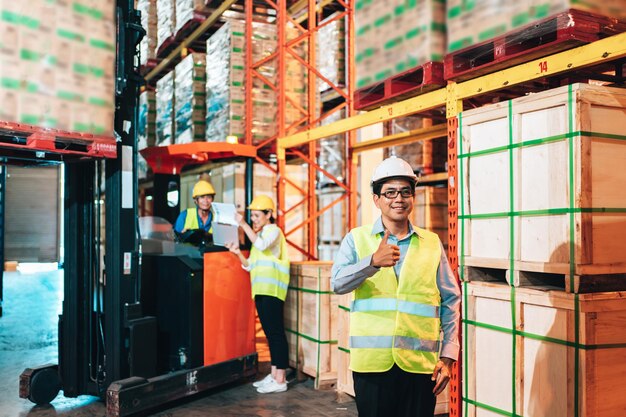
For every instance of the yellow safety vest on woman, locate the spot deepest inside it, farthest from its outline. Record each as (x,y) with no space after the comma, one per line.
(269,274)
(397,320)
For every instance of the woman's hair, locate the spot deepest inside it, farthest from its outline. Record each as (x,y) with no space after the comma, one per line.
(266,212)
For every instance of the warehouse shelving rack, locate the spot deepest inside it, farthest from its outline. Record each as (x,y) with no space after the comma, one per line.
(599,55)
(297,14)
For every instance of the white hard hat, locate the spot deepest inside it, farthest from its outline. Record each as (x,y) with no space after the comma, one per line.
(393,167)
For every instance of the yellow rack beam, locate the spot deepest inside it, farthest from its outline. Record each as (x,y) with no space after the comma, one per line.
(604,50)
(411,136)
(402,108)
(204,26)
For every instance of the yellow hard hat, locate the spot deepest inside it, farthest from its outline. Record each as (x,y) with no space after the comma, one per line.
(202,188)
(262,202)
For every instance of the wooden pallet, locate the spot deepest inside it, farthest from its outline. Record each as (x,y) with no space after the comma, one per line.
(544,37)
(416,81)
(529,277)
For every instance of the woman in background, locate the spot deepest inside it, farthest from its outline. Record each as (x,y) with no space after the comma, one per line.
(269,274)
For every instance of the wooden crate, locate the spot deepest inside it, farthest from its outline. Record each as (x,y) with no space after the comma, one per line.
(310,322)
(345,383)
(549,368)
(557,153)
(431,210)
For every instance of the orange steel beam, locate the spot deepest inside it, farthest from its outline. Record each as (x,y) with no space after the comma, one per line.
(315,215)
(312,105)
(249,73)
(351,159)
(281,21)
(322,170)
(455,380)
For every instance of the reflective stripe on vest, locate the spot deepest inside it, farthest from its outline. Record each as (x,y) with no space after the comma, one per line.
(400,342)
(270,275)
(396,320)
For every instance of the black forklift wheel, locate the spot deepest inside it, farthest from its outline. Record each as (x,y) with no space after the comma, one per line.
(44,386)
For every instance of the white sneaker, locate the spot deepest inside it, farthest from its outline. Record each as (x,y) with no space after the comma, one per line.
(272,386)
(263,381)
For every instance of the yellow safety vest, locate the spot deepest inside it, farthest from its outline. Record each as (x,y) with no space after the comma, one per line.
(397,320)
(270,275)
(191,220)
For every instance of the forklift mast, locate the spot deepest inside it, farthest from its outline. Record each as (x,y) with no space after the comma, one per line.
(94,351)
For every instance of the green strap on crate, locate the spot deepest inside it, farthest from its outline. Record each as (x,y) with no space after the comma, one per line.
(572,252)
(512,214)
(297,332)
(541,141)
(512,260)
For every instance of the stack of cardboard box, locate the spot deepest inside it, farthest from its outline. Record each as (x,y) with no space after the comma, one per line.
(166,20)
(165,104)
(147,47)
(394,36)
(190,99)
(56,64)
(470,22)
(186,9)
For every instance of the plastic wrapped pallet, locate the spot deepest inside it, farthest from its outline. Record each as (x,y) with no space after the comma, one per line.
(225,95)
(496,17)
(394,36)
(190,94)
(146,128)
(538,187)
(165,104)
(148,44)
(331,53)
(166,21)
(57,62)
(186,11)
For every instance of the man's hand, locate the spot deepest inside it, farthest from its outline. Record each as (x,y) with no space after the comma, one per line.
(386,254)
(442,373)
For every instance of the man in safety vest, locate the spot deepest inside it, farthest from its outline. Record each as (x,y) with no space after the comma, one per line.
(404,295)
(198,217)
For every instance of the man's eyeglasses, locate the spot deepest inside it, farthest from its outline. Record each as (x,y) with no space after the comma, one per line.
(391,194)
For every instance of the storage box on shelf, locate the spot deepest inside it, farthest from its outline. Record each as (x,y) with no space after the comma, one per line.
(430,211)
(540,353)
(188,11)
(397,41)
(166,24)
(57,64)
(496,17)
(538,187)
(310,322)
(146,128)
(190,99)
(331,53)
(148,45)
(165,105)
(551,34)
